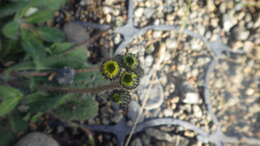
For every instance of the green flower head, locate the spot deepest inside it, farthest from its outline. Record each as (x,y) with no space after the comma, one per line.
(130,62)
(120,96)
(110,69)
(129,80)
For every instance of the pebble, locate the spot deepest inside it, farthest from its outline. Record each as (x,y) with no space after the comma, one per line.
(168,112)
(117,117)
(243,35)
(133,111)
(158,134)
(155,97)
(148,12)
(60,129)
(229,22)
(157,34)
(75,33)
(136,142)
(191,98)
(189,133)
(148,61)
(139,12)
(171,43)
(197,111)
(37,139)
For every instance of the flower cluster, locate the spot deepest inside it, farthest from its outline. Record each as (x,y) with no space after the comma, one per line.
(126,68)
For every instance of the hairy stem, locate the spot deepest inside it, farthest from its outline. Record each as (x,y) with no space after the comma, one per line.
(82,90)
(47,73)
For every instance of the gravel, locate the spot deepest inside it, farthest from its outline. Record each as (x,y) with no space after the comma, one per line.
(183,47)
(37,139)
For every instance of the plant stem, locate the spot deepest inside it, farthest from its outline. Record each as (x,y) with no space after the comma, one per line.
(83,90)
(47,73)
(90,69)
(34,74)
(85,42)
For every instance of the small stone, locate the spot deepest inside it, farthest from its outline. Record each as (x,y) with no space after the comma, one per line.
(37,139)
(148,12)
(243,35)
(157,34)
(171,44)
(197,111)
(211,6)
(248,46)
(155,97)
(174,100)
(229,22)
(136,142)
(214,22)
(257,23)
(168,112)
(158,134)
(196,45)
(117,38)
(189,133)
(75,33)
(117,117)
(60,129)
(107,10)
(133,111)
(148,60)
(191,98)
(250,91)
(139,12)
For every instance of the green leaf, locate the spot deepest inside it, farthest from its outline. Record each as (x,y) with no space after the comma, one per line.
(11,8)
(50,34)
(16,122)
(33,47)
(58,48)
(34,97)
(40,16)
(48,4)
(75,59)
(9,49)
(81,109)
(9,97)
(7,137)
(11,29)
(47,103)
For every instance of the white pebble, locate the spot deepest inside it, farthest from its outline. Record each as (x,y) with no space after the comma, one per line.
(139,12)
(191,98)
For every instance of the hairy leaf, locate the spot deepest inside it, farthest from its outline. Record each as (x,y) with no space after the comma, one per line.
(40,17)
(6,136)
(50,34)
(11,8)
(47,103)
(16,122)
(11,29)
(78,109)
(33,47)
(57,47)
(9,98)
(48,4)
